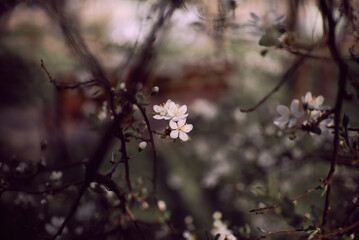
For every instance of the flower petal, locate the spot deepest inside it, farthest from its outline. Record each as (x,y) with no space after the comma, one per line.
(181,122)
(172,106)
(173,124)
(158,117)
(281,121)
(299,114)
(187,128)
(294,106)
(183,136)
(157,108)
(170,112)
(182,110)
(318,101)
(292,122)
(174,134)
(283,110)
(308,97)
(169,101)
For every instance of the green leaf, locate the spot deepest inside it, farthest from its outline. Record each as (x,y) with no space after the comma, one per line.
(258,191)
(262,230)
(141,100)
(132,133)
(273,187)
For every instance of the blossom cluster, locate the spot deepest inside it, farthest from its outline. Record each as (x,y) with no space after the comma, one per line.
(219,227)
(313,109)
(177,117)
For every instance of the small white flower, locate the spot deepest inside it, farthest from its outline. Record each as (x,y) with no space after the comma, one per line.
(180,129)
(142,145)
(162,111)
(176,113)
(288,116)
(312,102)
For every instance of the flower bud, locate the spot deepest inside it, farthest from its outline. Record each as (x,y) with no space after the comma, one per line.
(142,146)
(155,90)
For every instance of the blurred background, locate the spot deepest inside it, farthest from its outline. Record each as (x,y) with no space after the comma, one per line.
(214,56)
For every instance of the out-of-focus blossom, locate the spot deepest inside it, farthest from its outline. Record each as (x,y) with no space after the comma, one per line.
(54,225)
(188,236)
(161,205)
(85,211)
(102,115)
(55,175)
(220,228)
(204,108)
(312,102)
(288,116)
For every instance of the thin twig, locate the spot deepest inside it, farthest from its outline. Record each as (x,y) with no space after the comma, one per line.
(285,78)
(65,85)
(112,186)
(47,191)
(271,208)
(343,69)
(339,232)
(154,152)
(298,53)
(281,231)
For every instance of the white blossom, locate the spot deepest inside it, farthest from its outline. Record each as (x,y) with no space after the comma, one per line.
(177,112)
(288,116)
(312,102)
(162,110)
(220,228)
(180,129)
